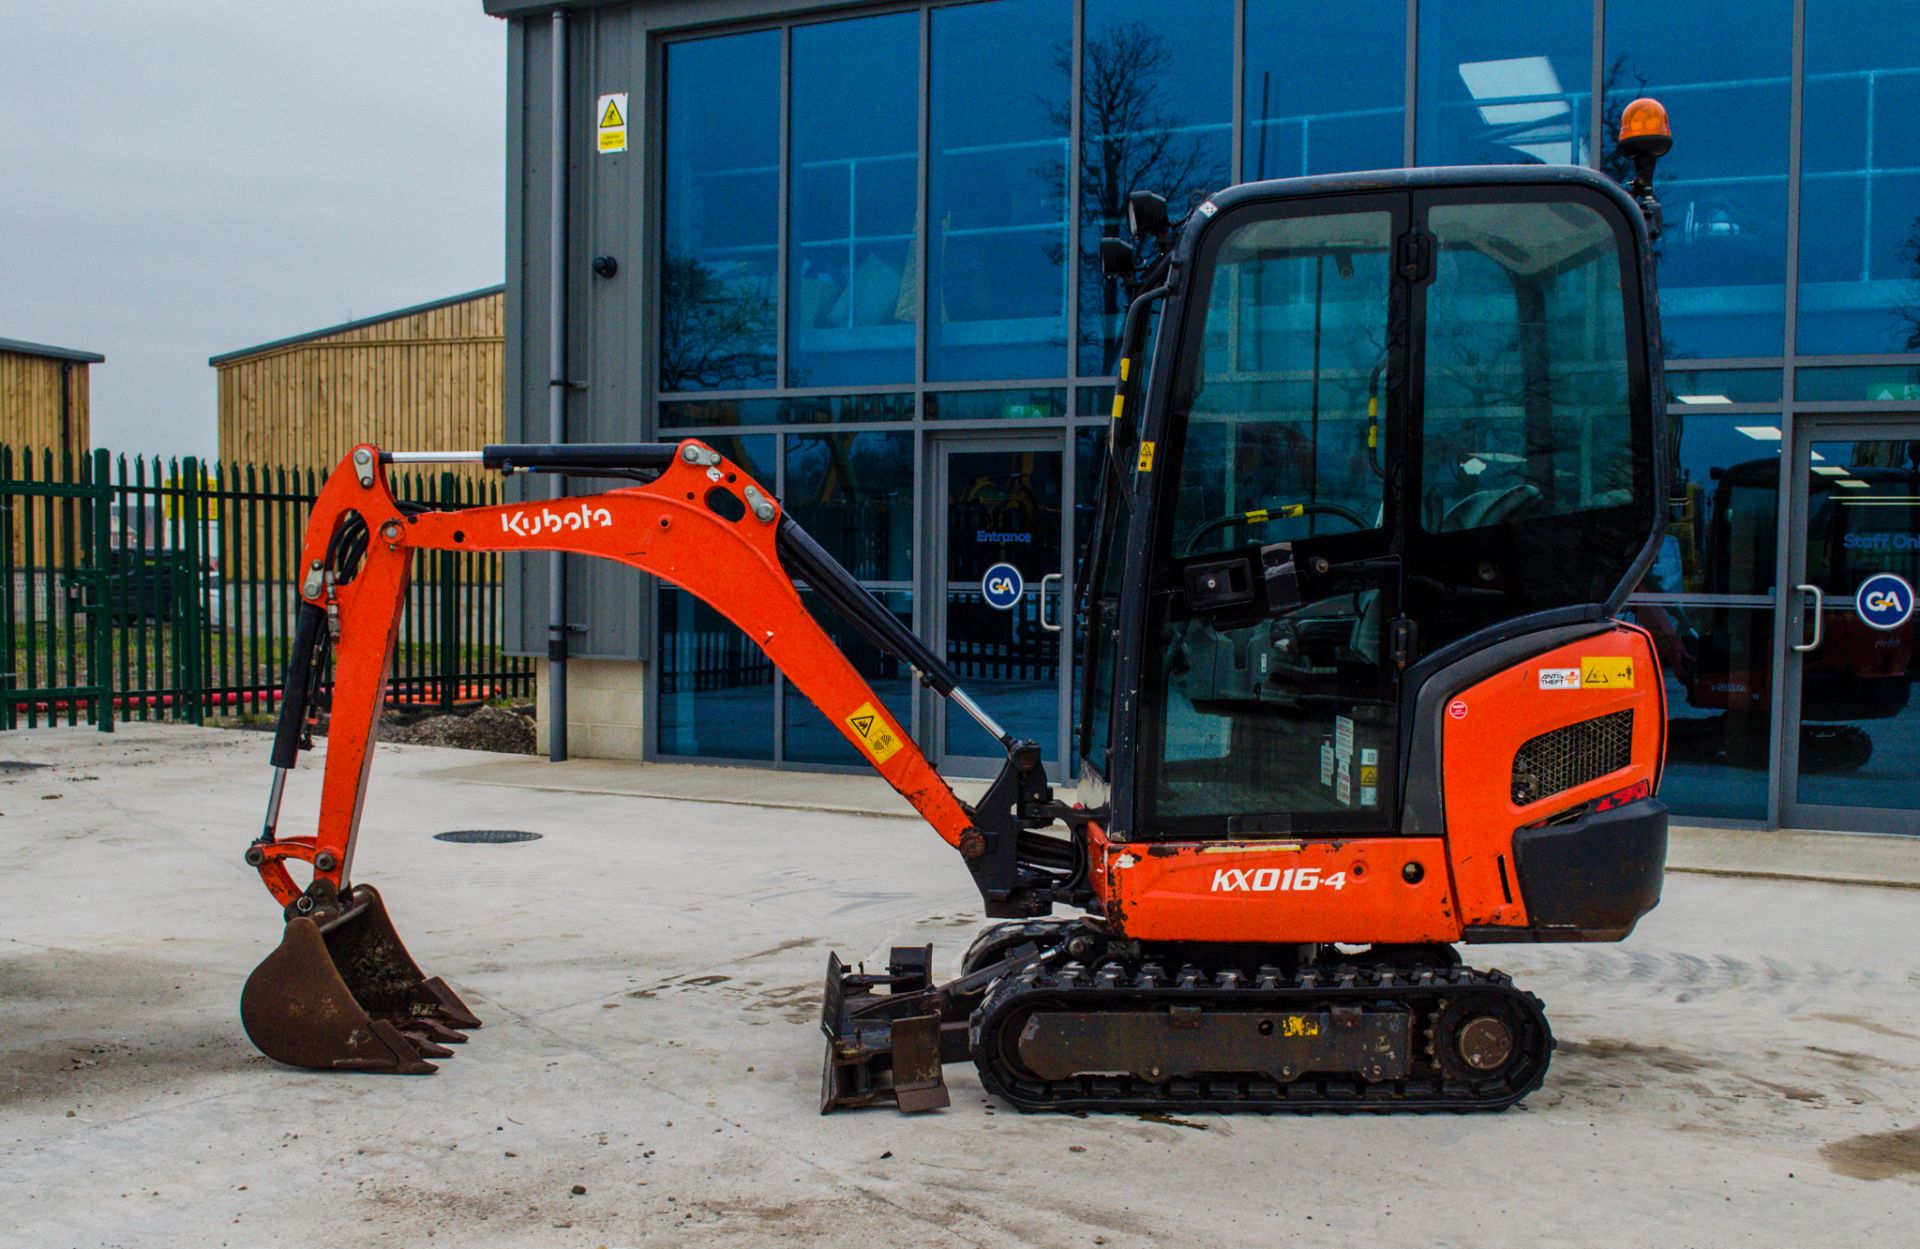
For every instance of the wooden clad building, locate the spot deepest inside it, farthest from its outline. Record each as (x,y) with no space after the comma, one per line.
(44,395)
(426,378)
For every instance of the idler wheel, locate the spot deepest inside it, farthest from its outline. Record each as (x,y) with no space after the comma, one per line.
(1484,1043)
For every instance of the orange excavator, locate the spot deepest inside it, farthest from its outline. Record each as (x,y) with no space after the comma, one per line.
(1387,455)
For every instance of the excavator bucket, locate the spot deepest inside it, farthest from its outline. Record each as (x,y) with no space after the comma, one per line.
(343,995)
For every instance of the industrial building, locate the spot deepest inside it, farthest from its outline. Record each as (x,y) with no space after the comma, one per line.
(428,376)
(44,393)
(855,246)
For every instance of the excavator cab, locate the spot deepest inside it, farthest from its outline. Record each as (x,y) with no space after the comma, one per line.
(1389,421)
(1386,459)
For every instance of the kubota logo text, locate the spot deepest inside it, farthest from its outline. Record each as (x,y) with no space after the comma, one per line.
(1274,879)
(528,523)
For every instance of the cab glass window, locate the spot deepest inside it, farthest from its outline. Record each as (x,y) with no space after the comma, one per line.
(1526,367)
(1283,431)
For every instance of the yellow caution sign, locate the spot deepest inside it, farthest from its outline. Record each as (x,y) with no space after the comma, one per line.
(1146,457)
(611,128)
(872,732)
(1606,672)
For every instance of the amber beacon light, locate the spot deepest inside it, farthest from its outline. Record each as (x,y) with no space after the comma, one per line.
(1645,137)
(1643,127)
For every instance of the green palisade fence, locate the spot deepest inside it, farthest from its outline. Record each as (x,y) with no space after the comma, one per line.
(148,589)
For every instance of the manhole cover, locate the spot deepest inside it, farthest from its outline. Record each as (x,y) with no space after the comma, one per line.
(486,836)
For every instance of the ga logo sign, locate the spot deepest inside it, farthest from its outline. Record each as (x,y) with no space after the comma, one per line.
(1002,586)
(1884,601)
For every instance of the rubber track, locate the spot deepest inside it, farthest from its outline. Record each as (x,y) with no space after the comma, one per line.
(1124,986)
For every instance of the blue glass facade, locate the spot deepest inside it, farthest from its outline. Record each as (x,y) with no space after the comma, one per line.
(853,202)
(1860,179)
(1325,88)
(887,223)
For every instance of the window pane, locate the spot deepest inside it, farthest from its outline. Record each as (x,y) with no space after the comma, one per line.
(1863,512)
(1872,383)
(854,494)
(1695,388)
(808,737)
(1723,256)
(855,190)
(999,405)
(1526,367)
(1156,115)
(1277,442)
(1722,507)
(1504,82)
(1718,665)
(722,229)
(798,410)
(716,687)
(1094,401)
(1860,179)
(998,190)
(1857,712)
(1089,468)
(1326,87)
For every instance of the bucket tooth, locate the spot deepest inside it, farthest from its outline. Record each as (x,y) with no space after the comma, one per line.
(439,1032)
(343,995)
(423,1046)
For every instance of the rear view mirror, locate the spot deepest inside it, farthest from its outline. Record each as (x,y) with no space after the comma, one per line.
(1116,258)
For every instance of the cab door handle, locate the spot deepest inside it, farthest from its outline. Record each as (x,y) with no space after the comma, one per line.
(1049,625)
(1819,613)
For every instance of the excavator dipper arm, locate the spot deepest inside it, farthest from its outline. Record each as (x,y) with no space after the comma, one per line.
(341,991)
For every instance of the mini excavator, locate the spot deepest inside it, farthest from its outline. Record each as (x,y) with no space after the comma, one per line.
(1387,456)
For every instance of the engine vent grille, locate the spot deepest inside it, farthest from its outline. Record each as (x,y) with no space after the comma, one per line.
(1555,762)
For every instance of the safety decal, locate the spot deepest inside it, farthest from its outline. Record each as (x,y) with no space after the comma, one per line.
(872,731)
(1457,709)
(611,124)
(1559,678)
(1146,457)
(1613,672)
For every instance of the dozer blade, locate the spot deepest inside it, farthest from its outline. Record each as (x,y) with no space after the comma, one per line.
(343,995)
(884,1046)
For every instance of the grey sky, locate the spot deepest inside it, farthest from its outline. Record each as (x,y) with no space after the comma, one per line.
(184,178)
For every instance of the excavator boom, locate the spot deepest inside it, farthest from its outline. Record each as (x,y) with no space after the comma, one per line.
(697,521)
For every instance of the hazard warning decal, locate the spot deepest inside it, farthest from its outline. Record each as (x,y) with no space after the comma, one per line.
(871,731)
(610,124)
(1606,672)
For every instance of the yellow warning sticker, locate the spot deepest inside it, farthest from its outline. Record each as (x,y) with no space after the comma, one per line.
(1606,672)
(1299,1025)
(611,126)
(872,732)
(1369,775)
(1146,457)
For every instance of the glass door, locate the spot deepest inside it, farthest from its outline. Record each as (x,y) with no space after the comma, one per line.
(1002,593)
(1853,722)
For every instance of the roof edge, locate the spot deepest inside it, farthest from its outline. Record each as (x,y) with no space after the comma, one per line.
(360,323)
(18,347)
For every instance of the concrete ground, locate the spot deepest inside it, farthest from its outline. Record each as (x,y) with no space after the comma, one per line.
(1742,1071)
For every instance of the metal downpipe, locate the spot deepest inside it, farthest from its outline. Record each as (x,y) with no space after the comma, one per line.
(557,384)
